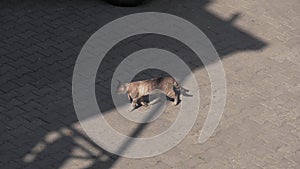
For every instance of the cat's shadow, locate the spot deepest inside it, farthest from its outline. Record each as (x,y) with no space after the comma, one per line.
(157,98)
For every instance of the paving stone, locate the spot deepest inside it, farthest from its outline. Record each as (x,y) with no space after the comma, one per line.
(258,43)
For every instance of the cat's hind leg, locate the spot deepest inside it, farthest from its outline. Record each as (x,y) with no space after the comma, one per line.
(176,100)
(174,96)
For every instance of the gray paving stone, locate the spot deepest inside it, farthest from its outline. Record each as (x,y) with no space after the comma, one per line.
(258,42)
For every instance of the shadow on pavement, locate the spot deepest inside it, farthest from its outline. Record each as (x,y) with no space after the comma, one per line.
(39,43)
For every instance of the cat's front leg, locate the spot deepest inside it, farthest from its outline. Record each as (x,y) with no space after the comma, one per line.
(133,105)
(129,98)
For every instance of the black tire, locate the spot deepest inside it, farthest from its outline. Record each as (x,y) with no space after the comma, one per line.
(125,2)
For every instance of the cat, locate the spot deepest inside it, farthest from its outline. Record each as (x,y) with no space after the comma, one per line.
(139,90)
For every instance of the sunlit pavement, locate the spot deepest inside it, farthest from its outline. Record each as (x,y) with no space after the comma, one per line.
(258,43)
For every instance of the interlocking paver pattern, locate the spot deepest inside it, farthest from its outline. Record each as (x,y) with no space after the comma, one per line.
(258,42)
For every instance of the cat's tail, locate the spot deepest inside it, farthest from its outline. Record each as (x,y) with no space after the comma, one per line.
(180,88)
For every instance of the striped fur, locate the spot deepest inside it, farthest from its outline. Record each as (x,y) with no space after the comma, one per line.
(136,91)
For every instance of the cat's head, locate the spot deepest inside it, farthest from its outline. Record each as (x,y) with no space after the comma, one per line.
(122,88)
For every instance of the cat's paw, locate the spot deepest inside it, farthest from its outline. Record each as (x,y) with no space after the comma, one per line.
(175,103)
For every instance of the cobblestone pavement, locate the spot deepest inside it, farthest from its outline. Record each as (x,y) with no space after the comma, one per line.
(258,42)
